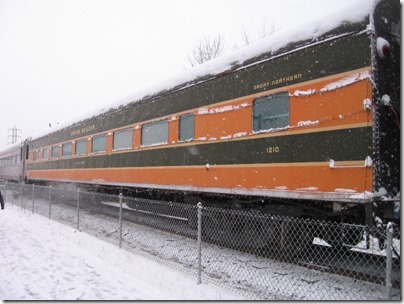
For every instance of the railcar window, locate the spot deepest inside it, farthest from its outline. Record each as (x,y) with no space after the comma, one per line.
(46,154)
(67,150)
(123,139)
(99,144)
(187,127)
(55,152)
(81,147)
(271,112)
(155,133)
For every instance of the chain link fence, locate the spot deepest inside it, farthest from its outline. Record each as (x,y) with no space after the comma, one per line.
(258,255)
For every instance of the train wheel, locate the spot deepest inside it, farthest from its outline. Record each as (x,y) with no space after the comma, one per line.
(342,237)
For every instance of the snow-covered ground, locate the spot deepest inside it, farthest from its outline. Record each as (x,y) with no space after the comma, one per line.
(45,260)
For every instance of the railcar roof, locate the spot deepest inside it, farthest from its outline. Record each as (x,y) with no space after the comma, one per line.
(347,20)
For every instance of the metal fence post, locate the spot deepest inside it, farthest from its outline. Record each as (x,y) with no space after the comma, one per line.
(389,259)
(120,219)
(5,193)
(78,208)
(199,243)
(12,191)
(33,197)
(22,189)
(50,201)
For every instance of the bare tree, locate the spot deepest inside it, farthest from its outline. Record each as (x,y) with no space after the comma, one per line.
(207,49)
(267,30)
(211,47)
(244,36)
(264,31)
(245,39)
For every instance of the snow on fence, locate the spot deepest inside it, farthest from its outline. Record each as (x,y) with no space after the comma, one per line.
(258,255)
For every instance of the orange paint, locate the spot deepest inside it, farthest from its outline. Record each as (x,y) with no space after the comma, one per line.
(288,177)
(332,108)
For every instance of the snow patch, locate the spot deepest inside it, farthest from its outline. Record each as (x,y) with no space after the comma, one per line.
(227,108)
(369,195)
(281,188)
(241,134)
(46,260)
(308,123)
(225,137)
(154,144)
(320,242)
(351,79)
(298,93)
(203,111)
(362,196)
(375,246)
(272,130)
(382,192)
(342,190)
(308,189)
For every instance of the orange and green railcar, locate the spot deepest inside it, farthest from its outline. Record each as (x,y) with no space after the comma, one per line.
(309,129)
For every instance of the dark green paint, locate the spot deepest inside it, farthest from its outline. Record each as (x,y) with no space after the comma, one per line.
(340,145)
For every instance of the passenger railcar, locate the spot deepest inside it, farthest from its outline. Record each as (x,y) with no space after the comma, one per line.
(12,162)
(310,129)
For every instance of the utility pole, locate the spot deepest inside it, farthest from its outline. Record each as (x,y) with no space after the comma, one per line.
(14,135)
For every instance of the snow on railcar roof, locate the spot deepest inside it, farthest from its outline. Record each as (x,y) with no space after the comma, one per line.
(310,30)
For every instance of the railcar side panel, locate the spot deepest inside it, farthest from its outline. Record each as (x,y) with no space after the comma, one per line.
(328,122)
(12,163)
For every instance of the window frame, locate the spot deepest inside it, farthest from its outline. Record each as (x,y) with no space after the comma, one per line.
(128,131)
(152,126)
(46,153)
(94,140)
(183,119)
(69,144)
(275,99)
(78,142)
(55,148)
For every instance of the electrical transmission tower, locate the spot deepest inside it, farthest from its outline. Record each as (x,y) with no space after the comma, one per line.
(14,135)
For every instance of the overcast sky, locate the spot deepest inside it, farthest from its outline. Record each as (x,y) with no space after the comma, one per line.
(61,59)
